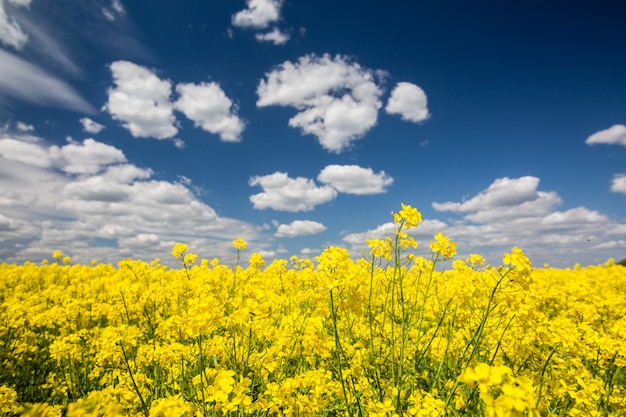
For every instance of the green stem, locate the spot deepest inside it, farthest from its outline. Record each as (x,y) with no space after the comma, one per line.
(339,353)
(144,408)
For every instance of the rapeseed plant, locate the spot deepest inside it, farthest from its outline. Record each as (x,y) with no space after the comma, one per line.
(389,334)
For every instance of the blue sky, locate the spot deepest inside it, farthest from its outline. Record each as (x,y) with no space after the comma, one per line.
(126,126)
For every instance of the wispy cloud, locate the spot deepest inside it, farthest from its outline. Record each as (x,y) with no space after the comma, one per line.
(276,36)
(11,33)
(22,80)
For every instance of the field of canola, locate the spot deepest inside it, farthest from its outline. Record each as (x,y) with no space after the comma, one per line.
(390,334)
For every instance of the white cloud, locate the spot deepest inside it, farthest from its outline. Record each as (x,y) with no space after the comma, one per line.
(11,33)
(280,192)
(299,228)
(90,126)
(118,6)
(24,127)
(258,15)
(503,192)
(353,179)
(337,100)
(24,81)
(618,185)
(275,36)
(409,101)
(207,105)
(615,135)
(24,152)
(426,230)
(100,206)
(88,157)
(514,212)
(117,9)
(141,101)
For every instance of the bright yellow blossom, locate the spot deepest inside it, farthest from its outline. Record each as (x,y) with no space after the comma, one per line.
(443,246)
(239,244)
(179,250)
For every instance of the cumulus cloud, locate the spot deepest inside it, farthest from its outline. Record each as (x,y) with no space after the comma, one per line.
(24,152)
(209,108)
(337,100)
(618,185)
(426,230)
(88,157)
(515,212)
(141,101)
(22,80)
(275,36)
(299,228)
(503,192)
(409,101)
(353,179)
(259,14)
(615,135)
(90,126)
(282,193)
(87,200)
(11,33)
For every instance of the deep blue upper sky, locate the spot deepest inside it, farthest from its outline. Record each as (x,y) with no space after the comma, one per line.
(129,125)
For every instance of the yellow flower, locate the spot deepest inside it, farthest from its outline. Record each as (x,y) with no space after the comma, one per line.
(521,267)
(179,250)
(239,244)
(443,246)
(475,259)
(57,254)
(189,259)
(380,248)
(408,217)
(170,407)
(256,261)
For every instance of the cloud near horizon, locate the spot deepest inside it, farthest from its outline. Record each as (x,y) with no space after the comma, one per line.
(299,228)
(87,200)
(514,212)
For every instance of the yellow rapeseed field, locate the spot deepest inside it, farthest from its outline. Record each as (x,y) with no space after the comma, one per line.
(389,334)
